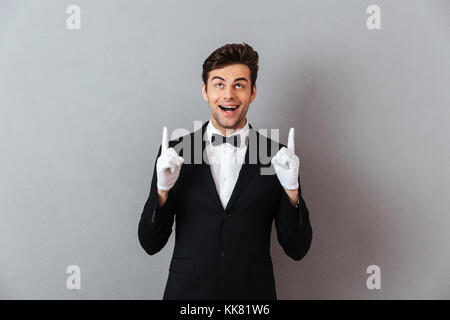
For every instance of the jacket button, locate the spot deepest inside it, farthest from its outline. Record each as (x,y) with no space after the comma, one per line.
(222,253)
(226,215)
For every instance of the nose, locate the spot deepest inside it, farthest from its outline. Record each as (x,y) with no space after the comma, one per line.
(229,92)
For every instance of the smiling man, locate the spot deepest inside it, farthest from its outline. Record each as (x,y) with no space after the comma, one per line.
(229,96)
(225,206)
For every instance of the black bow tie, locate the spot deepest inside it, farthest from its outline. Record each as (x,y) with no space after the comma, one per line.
(218,139)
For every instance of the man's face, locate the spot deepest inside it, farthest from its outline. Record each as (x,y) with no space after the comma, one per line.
(229,96)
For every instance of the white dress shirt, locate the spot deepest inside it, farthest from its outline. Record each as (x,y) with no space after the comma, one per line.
(225,160)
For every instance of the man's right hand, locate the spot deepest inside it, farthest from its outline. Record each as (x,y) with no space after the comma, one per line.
(168,165)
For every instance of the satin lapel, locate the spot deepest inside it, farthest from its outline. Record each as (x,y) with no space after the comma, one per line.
(205,173)
(246,173)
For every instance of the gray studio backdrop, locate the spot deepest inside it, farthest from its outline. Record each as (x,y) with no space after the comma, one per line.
(81,117)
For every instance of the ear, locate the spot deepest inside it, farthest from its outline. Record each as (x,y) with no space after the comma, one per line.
(204,94)
(253,94)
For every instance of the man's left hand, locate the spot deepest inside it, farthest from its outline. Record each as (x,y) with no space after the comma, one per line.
(286,164)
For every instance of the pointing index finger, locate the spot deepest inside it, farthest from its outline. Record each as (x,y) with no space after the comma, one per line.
(291,143)
(165,140)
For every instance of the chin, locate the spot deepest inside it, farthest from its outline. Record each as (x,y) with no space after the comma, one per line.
(228,125)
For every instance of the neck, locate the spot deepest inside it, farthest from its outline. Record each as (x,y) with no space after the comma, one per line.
(228,131)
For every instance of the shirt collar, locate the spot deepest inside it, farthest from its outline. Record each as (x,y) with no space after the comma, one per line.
(243,132)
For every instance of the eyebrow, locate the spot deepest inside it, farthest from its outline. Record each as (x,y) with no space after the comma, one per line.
(237,79)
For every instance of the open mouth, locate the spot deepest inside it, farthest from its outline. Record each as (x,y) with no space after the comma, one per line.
(229,108)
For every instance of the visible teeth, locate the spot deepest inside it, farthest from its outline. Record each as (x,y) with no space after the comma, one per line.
(229,107)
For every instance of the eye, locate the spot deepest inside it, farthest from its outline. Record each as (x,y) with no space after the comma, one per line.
(238,84)
(219,84)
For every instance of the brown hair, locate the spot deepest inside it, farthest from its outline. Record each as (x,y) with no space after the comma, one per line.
(231,54)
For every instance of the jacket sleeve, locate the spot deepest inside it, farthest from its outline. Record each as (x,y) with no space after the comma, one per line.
(155,225)
(294,231)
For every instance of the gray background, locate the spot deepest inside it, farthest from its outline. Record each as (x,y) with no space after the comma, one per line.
(81,116)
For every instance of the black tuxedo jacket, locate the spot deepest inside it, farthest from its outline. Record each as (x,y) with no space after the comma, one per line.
(224,253)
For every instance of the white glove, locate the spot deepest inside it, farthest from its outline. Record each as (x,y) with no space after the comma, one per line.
(286,164)
(168,165)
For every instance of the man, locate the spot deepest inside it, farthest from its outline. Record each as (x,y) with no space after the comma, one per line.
(225,202)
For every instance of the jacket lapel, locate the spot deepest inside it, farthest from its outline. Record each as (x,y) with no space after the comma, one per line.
(247,171)
(205,172)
